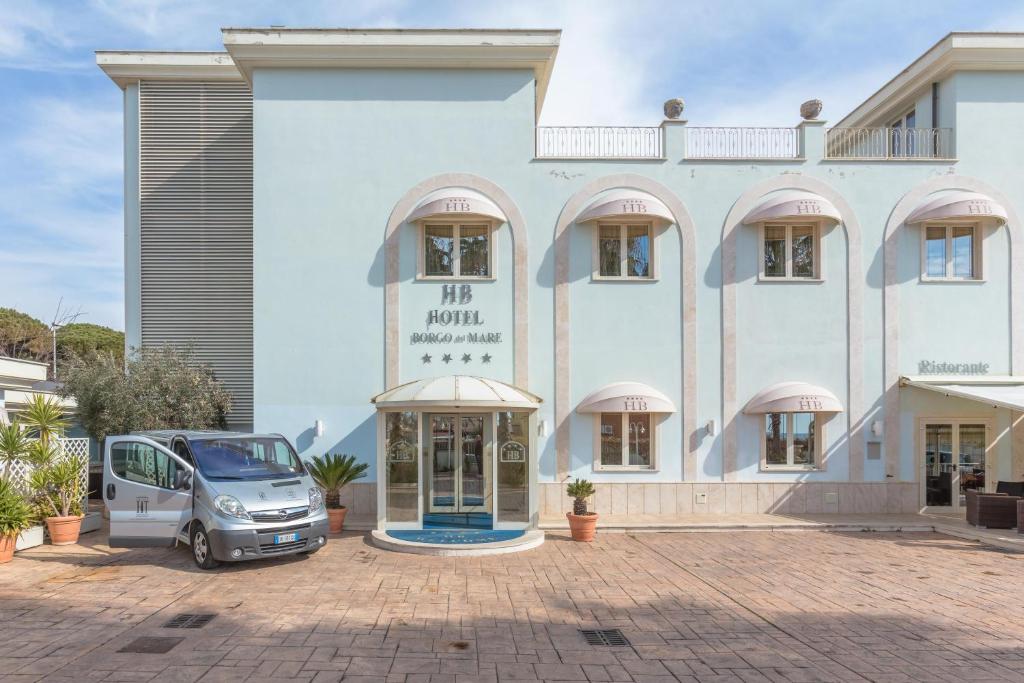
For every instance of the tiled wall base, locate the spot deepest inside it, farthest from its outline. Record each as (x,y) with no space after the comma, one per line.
(360,498)
(718,498)
(729,498)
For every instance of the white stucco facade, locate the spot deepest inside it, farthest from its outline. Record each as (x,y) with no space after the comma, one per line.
(352,133)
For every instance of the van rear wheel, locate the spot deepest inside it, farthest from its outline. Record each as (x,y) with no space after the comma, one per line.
(202,551)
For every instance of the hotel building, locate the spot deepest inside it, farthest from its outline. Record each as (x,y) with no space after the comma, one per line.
(373,244)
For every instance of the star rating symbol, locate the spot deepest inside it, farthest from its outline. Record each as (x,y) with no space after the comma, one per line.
(447,358)
(426,358)
(466,358)
(486,358)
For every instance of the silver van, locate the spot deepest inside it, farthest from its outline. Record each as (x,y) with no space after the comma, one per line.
(230,496)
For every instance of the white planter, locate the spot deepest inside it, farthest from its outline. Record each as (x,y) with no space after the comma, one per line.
(93,521)
(30,538)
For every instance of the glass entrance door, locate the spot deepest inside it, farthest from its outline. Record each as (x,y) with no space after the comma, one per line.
(459,467)
(953,462)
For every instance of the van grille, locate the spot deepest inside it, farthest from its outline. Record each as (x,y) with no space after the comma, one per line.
(277,516)
(270,548)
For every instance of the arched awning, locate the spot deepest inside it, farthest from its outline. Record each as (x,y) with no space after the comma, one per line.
(794,397)
(626,397)
(456,391)
(456,203)
(958,205)
(793,205)
(626,205)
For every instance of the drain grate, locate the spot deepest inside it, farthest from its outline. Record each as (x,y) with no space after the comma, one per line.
(608,637)
(151,645)
(190,621)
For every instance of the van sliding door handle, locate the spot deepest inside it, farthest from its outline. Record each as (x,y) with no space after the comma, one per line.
(111,491)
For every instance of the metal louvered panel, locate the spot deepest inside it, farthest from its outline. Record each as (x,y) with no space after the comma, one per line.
(195,161)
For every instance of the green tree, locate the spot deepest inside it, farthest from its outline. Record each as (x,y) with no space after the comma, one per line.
(22,336)
(156,388)
(85,339)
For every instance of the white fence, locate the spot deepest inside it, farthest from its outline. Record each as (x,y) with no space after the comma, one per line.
(77,449)
(742,143)
(889,143)
(599,142)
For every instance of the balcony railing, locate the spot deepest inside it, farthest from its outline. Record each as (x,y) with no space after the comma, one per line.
(889,143)
(599,142)
(742,143)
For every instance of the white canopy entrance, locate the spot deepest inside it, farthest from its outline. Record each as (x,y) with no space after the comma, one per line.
(456,451)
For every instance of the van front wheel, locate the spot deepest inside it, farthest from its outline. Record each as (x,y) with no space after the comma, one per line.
(202,551)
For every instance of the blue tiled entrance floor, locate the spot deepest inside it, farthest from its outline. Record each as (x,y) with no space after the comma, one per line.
(457,520)
(456,536)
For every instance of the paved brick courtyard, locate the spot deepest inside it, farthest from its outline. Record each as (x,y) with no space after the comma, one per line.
(740,606)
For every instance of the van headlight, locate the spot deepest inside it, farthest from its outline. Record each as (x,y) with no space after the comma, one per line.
(316,499)
(231,506)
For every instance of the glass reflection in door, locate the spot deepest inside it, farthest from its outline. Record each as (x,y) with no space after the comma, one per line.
(443,466)
(971,462)
(938,465)
(474,478)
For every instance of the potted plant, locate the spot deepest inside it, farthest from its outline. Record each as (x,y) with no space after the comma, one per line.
(59,493)
(332,473)
(582,523)
(15,516)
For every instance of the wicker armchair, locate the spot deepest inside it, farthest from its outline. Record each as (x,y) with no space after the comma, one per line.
(991,510)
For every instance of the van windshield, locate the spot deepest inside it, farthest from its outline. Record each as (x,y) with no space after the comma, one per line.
(246,459)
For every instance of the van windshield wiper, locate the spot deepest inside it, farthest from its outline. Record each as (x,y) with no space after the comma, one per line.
(226,477)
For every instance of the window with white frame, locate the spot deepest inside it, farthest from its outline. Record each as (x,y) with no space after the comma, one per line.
(791,440)
(460,250)
(625,441)
(902,139)
(790,252)
(625,251)
(950,252)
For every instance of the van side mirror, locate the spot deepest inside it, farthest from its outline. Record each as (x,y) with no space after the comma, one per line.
(182,480)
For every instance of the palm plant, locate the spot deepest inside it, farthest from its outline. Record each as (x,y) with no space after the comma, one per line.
(44,415)
(332,473)
(579,490)
(14,446)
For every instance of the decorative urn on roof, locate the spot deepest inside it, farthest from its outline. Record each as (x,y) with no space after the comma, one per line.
(674,108)
(810,110)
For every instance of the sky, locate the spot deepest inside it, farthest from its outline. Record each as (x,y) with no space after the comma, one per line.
(735,63)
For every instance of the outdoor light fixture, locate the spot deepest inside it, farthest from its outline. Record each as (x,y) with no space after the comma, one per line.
(542,428)
(876,427)
(711,428)
(318,428)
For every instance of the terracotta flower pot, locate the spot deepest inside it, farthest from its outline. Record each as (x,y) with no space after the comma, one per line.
(582,526)
(7,548)
(336,519)
(64,530)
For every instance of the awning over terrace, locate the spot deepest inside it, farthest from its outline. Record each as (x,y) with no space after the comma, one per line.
(995,391)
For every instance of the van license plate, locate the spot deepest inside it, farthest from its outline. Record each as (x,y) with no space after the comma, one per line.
(285,538)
